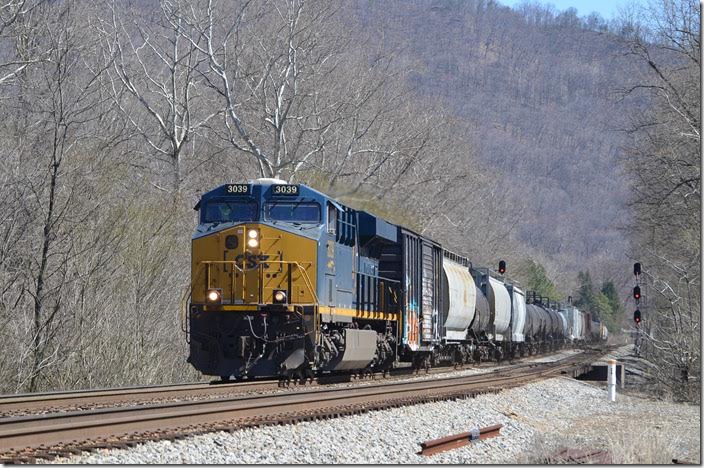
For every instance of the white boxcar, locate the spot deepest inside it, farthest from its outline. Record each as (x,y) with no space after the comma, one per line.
(519,314)
(565,324)
(459,301)
(500,305)
(604,332)
(575,322)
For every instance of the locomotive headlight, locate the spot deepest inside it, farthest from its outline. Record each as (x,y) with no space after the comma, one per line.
(253,243)
(213,295)
(253,234)
(279,296)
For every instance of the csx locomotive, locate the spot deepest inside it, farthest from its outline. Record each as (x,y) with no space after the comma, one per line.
(287,281)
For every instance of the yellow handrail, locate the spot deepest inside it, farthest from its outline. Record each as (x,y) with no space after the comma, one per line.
(306,278)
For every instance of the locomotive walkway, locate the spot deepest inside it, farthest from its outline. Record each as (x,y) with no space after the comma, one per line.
(25,438)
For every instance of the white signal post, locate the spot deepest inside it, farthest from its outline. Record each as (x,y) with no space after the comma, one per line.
(611,379)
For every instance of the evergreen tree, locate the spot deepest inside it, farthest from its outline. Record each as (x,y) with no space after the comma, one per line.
(601,309)
(609,290)
(604,304)
(585,294)
(538,281)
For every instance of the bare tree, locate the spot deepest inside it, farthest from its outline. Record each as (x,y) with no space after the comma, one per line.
(155,69)
(262,61)
(16,47)
(64,105)
(298,99)
(672,328)
(666,192)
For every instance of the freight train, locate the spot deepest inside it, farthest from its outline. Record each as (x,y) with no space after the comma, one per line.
(286,281)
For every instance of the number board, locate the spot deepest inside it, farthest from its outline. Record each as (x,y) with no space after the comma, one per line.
(291,190)
(237,189)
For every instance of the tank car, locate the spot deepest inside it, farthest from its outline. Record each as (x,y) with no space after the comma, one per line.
(498,343)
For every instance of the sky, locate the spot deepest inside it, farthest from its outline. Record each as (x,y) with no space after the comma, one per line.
(606,8)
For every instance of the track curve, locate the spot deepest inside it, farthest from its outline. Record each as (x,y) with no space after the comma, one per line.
(22,438)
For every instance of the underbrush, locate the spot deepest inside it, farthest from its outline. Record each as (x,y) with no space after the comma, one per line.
(625,446)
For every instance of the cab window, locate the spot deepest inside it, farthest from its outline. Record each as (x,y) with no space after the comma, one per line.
(222,211)
(297,212)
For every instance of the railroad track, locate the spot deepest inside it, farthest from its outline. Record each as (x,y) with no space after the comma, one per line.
(23,439)
(52,402)
(36,403)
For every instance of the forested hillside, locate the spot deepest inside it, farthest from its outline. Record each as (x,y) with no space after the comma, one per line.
(536,92)
(498,132)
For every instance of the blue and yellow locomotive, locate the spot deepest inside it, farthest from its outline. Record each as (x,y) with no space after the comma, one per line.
(287,281)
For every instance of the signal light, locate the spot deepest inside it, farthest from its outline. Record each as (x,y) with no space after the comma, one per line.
(502,267)
(636,268)
(636,292)
(636,316)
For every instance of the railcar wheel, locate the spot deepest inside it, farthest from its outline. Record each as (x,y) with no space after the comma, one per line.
(498,354)
(285,379)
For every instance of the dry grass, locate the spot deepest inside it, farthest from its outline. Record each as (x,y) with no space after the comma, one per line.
(645,445)
(626,445)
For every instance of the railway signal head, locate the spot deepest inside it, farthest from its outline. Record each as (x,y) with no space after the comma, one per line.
(636,316)
(636,268)
(636,292)
(502,267)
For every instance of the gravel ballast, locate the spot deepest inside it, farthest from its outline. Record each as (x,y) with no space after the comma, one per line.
(538,418)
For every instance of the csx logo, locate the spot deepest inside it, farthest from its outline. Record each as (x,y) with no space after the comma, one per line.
(248,260)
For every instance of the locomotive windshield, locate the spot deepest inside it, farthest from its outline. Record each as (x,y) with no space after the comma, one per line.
(222,211)
(296,212)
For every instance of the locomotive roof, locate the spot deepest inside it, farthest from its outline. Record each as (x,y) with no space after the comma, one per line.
(221,190)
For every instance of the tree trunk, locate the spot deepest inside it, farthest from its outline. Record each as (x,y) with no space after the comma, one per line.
(37,348)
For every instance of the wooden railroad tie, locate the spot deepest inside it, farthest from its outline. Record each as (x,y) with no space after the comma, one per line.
(579,457)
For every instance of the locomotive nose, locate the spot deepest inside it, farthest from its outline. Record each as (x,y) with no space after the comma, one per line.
(253,263)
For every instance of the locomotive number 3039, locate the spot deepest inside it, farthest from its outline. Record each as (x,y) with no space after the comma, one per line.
(238,188)
(285,190)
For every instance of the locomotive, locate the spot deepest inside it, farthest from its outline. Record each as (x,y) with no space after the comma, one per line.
(286,281)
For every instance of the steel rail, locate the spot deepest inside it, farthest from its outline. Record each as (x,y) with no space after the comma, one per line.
(431,447)
(45,430)
(33,403)
(57,400)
